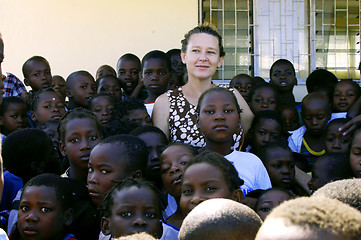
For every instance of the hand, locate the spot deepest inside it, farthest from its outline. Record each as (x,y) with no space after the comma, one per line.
(25,96)
(351,125)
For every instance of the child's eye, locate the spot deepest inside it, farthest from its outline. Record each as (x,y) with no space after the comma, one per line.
(150,215)
(103,171)
(275,137)
(13,116)
(276,166)
(209,111)
(261,133)
(83,87)
(24,208)
(134,73)
(229,111)
(147,73)
(184,162)
(162,73)
(74,140)
(37,74)
(125,214)
(258,100)
(210,188)
(47,106)
(90,169)
(164,170)
(97,110)
(265,209)
(271,102)
(93,138)
(345,140)
(276,74)
(121,73)
(45,210)
(60,106)
(187,192)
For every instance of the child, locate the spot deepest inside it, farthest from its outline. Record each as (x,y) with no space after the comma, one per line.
(155,74)
(58,83)
(270,199)
(110,84)
(128,68)
(105,70)
(49,128)
(114,159)
(209,175)
(127,115)
(355,154)
(291,120)
(263,97)
(335,141)
(177,65)
(266,127)
(102,105)
(346,93)
(321,80)
(329,167)
(220,219)
(347,191)
(79,131)
(309,139)
(219,120)
(132,206)
(12,115)
(47,105)
(283,78)
(45,210)
(173,161)
(156,141)
(243,83)
(311,218)
(37,73)
(80,88)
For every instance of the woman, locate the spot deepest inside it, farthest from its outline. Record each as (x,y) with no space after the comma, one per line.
(175,111)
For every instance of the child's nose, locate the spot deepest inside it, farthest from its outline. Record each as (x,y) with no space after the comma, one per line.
(31,217)
(139,221)
(92,177)
(336,144)
(197,199)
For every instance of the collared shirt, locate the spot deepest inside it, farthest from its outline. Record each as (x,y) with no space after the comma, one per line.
(13,86)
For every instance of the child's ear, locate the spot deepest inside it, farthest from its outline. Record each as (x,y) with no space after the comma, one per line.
(105,226)
(69,93)
(137,174)
(33,116)
(68,217)
(26,81)
(237,195)
(62,148)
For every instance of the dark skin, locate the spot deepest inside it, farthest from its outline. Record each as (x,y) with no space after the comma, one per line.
(315,142)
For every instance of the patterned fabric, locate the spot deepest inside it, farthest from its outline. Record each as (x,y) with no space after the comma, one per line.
(183,121)
(13,86)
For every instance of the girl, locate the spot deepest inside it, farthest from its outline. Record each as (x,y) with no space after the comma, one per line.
(262,97)
(12,115)
(345,94)
(132,206)
(209,175)
(174,159)
(219,120)
(47,105)
(355,154)
(174,112)
(110,84)
(79,131)
(102,105)
(334,140)
(270,199)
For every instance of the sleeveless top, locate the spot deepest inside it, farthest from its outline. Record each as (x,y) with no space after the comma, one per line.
(183,121)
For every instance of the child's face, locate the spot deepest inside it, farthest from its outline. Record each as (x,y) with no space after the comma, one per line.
(102,107)
(270,200)
(40,214)
(14,118)
(110,85)
(315,115)
(173,81)
(319,176)
(173,161)
(107,165)
(268,130)
(263,99)
(202,181)
(344,96)
(243,84)
(155,76)
(177,64)
(58,83)
(128,74)
(335,141)
(355,155)
(140,117)
(280,167)
(290,119)
(103,71)
(283,78)
(218,118)
(82,90)
(50,107)
(81,136)
(155,144)
(38,75)
(135,210)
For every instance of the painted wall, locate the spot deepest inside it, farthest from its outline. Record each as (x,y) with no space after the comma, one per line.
(85,34)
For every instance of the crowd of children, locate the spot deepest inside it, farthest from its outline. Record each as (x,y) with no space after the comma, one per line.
(82,159)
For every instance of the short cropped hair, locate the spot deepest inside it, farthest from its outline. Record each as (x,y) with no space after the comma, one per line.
(25,68)
(156,54)
(220,219)
(316,214)
(347,191)
(6,101)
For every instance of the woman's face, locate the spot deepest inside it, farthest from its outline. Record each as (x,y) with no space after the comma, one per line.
(202,56)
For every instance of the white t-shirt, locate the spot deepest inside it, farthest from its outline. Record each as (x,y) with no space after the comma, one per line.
(251,169)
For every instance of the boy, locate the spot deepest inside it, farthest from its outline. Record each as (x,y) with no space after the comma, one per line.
(329,167)
(80,87)
(58,83)
(37,73)
(243,83)
(309,139)
(311,219)
(220,219)
(105,70)
(114,159)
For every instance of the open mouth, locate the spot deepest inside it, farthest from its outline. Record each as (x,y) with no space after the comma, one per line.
(178,180)
(283,83)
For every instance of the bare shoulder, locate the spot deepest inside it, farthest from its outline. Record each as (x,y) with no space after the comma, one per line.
(160,114)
